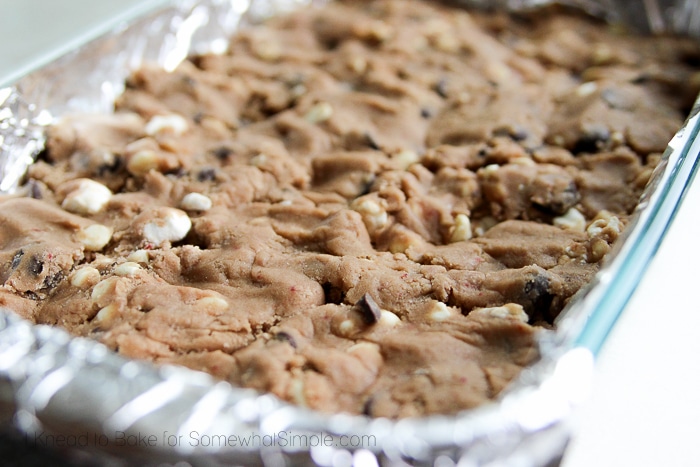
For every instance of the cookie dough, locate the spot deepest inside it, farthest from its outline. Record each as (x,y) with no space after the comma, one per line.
(362,207)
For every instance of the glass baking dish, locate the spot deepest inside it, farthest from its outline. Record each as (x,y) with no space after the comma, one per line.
(128,409)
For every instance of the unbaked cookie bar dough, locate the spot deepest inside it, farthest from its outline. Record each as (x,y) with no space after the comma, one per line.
(362,207)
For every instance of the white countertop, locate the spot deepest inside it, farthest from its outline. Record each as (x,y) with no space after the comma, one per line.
(32,31)
(645,406)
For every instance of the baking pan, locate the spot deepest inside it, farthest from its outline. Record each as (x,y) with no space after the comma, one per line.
(77,395)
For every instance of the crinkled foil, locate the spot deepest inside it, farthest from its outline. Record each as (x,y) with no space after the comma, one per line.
(74,393)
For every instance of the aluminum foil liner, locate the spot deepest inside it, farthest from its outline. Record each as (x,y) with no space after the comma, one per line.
(76,394)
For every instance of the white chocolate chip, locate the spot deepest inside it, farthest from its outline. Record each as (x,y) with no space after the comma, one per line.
(102,262)
(389,319)
(572,220)
(88,198)
(94,237)
(267,49)
(347,323)
(215,126)
(213,302)
(296,390)
(467,188)
(439,312)
(442,36)
(446,41)
(369,353)
(576,250)
(605,223)
(617,137)
(490,170)
(381,31)
(85,277)
(142,162)
(166,123)
(462,229)
(499,72)
(599,248)
(403,239)
(127,269)
(602,53)
(509,310)
(139,256)
(107,313)
(103,288)
(364,346)
(586,89)
(259,160)
(406,158)
(464,97)
(373,215)
(374,30)
(319,113)
(358,64)
(523,161)
(347,327)
(171,227)
(195,202)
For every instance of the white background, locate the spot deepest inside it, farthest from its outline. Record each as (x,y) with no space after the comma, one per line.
(645,406)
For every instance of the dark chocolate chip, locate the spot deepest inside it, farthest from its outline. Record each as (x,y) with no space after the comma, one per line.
(286,337)
(519,134)
(114,167)
(177,173)
(425,113)
(366,187)
(51,282)
(35,190)
(31,295)
(198,117)
(222,153)
(333,294)
(331,43)
(536,288)
(558,202)
(592,140)
(515,133)
(35,266)
(371,313)
(206,175)
(691,58)
(441,88)
(130,83)
(197,60)
(17,258)
(371,142)
(566,199)
(295,80)
(538,298)
(367,406)
(641,78)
